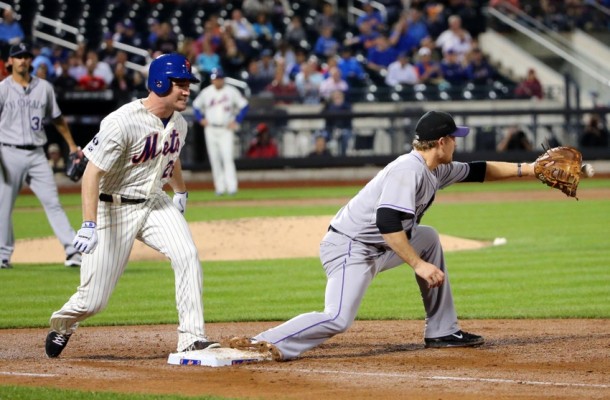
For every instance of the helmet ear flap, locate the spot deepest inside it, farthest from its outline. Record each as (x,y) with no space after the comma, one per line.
(160,86)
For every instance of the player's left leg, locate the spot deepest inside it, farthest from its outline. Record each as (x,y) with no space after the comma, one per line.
(41,181)
(167,231)
(228,163)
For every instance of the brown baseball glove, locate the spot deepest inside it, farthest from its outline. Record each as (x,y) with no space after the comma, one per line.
(560,168)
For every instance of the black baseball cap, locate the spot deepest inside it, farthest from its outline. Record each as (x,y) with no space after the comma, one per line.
(434,125)
(20,49)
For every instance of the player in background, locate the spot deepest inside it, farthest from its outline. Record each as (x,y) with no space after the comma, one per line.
(135,153)
(220,109)
(380,229)
(25,102)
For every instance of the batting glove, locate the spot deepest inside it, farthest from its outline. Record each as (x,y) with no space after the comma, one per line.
(85,240)
(180,200)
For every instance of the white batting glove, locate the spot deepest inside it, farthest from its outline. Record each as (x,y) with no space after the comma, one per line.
(180,200)
(85,240)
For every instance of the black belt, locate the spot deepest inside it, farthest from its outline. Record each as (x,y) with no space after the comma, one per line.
(379,247)
(20,147)
(109,199)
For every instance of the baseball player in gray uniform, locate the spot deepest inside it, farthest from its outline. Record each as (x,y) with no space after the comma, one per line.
(135,153)
(380,229)
(25,102)
(220,109)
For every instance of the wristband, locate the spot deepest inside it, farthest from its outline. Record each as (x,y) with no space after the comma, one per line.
(88,224)
(186,194)
(519,174)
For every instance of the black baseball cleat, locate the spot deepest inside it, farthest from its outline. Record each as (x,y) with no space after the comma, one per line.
(457,339)
(55,344)
(201,345)
(5,265)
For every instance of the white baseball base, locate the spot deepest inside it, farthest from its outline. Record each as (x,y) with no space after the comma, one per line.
(219,357)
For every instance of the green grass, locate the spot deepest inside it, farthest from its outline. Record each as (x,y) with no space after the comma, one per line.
(28,393)
(554,265)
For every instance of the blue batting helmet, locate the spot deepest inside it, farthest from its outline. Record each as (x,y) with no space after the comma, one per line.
(167,67)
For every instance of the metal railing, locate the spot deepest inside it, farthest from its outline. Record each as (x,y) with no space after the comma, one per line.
(61,29)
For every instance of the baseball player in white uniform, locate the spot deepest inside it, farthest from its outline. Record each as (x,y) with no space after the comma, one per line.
(380,229)
(220,109)
(134,154)
(25,102)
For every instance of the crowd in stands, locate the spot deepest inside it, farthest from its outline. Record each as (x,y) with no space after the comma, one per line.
(304,55)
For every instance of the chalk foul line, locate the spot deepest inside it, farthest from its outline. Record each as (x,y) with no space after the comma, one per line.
(435,378)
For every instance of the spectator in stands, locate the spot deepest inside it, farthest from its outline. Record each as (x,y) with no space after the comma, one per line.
(263,30)
(242,31)
(64,82)
(371,15)
(408,31)
(514,139)
(257,82)
(351,68)
(478,70)
(594,134)
(452,69)
(530,87)
(42,72)
(154,26)
(401,72)
(283,89)
(108,52)
(280,9)
(252,8)
(11,32)
(44,58)
(328,17)
(365,39)
(338,127)
(333,83)
(208,59)
(267,65)
(381,55)
(263,145)
(308,81)
(455,38)
(232,59)
(3,72)
(77,67)
(213,33)
(285,52)
(295,33)
(166,39)
(128,35)
(428,70)
(326,45)
(300,56)
(436,19)
(122,84)
(101,68)
(320,149)
(91,82)
(56,159)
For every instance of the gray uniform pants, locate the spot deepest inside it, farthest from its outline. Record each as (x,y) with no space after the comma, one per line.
(350,267)
(30,165)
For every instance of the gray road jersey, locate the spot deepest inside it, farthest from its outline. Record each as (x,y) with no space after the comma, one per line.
(23,111)
(406,185)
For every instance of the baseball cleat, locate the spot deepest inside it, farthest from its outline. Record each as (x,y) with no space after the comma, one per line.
(249,344)
(74,260)
(201,345)
(456,339)
(5,265)
(55,344)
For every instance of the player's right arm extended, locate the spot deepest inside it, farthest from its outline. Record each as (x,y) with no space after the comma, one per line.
(91,191)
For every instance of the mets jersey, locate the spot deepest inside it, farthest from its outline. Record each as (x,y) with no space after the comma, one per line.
(220,106)
(136,151)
